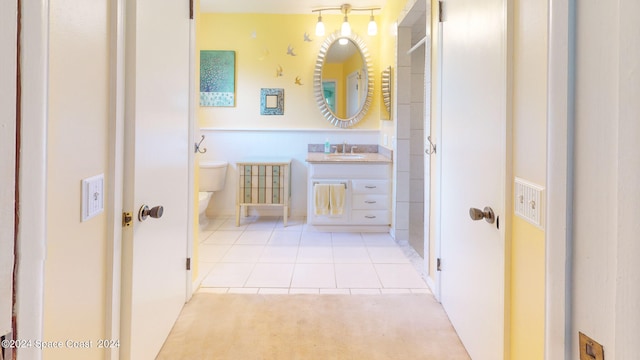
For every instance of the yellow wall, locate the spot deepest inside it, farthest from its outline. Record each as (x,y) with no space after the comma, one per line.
(257,59)
(527,291)
(336,72)
(529,157)
(75,266)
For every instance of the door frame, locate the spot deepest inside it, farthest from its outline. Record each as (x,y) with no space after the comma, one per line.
(559,218)
(435,201)
(115,173)
(8,196)
(31,237)
(192,134)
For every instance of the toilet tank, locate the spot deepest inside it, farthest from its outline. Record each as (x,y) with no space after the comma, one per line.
(212,175)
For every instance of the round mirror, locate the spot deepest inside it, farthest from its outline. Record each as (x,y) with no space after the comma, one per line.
(343,81)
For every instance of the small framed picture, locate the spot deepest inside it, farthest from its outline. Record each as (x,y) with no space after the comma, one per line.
(271,101)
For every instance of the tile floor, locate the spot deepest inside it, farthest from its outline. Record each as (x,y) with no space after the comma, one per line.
(262,256)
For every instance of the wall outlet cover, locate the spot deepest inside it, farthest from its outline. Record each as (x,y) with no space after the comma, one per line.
(92,196)
(529,202)
(590,349)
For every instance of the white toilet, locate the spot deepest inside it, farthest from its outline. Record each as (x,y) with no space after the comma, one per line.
(212,178)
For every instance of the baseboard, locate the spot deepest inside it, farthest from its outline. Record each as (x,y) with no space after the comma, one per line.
(432,287)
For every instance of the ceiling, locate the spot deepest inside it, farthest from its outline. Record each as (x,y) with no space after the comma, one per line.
(278,6)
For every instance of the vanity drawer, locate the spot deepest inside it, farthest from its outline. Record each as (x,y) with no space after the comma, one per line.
(370,186)
(370,217)
(370,201)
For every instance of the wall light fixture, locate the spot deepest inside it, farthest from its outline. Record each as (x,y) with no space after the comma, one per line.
(345,30)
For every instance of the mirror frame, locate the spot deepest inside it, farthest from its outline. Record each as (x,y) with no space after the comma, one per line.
(317,81)
(386,90)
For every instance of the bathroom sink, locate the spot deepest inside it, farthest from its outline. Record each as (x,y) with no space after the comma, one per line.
(345,156)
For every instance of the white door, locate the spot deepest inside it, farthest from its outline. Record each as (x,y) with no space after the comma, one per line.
(353,94)
(473,148)
(156,173)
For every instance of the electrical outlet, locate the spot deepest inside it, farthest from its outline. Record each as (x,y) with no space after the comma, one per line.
(590,349)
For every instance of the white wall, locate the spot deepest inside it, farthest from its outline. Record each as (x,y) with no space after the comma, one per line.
(628,271)
(606,284)
(77,134)
(234,145)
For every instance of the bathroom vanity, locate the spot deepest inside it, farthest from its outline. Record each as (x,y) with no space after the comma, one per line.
(364,180)
(263,182)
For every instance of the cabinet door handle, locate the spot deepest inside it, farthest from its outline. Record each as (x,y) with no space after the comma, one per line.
(370,216)
(370,186)
(370,201)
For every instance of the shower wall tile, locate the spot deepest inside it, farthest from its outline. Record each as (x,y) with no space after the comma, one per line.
(404,92)
(402,234)
(417,88)
(402,215)
(418,60)
(404,121)
(417,142)
(416,187)
(417,115)
(403,163)
(403,188)
(404,44)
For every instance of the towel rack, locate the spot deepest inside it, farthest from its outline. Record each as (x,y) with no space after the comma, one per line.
(343,183)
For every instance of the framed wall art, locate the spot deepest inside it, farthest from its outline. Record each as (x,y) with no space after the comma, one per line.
(271,101)
(217,78)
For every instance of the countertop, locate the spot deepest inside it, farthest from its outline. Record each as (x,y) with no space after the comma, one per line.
(367,158)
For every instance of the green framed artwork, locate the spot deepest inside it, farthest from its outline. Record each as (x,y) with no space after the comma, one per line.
(217,78)
(271,101)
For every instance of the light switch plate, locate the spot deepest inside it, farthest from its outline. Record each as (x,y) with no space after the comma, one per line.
(92,196)
(529,202)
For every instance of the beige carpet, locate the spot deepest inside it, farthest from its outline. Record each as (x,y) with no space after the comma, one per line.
(303,327)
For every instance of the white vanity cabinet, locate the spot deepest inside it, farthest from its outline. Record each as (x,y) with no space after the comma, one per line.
(370,201)
(367,195)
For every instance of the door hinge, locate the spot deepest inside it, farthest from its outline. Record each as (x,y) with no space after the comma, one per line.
(438,264)
(440,15)
(127,219)
(188,263)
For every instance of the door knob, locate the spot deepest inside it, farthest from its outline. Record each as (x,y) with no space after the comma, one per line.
(486,214)
(155,212)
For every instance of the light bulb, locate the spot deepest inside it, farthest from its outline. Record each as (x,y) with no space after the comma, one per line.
(346,28)
(372,29)
(320,27)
